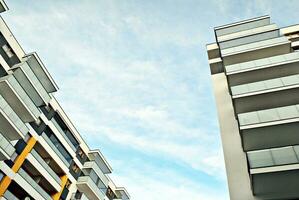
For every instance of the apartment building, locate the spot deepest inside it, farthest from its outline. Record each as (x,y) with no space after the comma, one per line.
(255,73)
(42,155)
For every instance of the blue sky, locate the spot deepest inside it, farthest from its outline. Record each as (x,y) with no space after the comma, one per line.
(134,79)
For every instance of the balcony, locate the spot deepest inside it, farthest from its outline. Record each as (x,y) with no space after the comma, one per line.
(266,94)
(253,31)
(269,128)
(256,50)
(6,148)
(262,69)
(93,165)
(86,185)
(11,125)
(269,117)
(99,159)
(63,133)
(56,150)
(275,172)
(19,101)
(122,193)
(256,37)
(31,84)
(45,166)
(34,184)
(41,72)
(8,195)
(242,26)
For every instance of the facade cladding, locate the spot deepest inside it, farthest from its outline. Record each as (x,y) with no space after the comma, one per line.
(42,156)
(255,74)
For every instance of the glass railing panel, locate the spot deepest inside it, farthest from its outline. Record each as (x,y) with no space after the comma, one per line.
(275,60)
(34,184)
(273,157)
(8,195)
(45,165)
(242,27)
(269,115)
(255,45)
(63,134)
(55,149)
(87,180)
(13,116)
(25,98)
(36,82)
(6,146)
(249,39)
(265,85)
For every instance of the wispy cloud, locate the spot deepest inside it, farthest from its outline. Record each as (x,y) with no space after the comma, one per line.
(134,78)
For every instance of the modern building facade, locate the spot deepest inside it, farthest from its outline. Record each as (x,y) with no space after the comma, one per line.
(255,73)
(42,155)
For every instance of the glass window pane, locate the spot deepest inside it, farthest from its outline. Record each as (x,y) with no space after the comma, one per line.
(284,155)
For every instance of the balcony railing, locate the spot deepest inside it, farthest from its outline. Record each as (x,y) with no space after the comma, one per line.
(260,86)
(8,195)
(263,63)
(255,45)
(87,186)
(55,149)
(273,157)
(269,115)
(31,84)
(6,149)
(93,165)
(34,184)
(11,125)
(45,165)
(63,134)
(20,102)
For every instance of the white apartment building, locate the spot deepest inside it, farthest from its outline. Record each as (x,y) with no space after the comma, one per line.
(42,155)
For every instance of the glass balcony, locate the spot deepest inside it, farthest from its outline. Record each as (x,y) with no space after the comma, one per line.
(41,72)
(45,165)
(55,149)
(34,184)
(31,84)
(8,195)
(64,134)
(269,115)
(245,33)
(19,101)
(275,172)
(6,148)
(265,85)
(249,39)
(101,162)
(242,26)
(263,63)
(93,165)
(273,157)
(255,45)
(11,125)
(86,185)
(256,50)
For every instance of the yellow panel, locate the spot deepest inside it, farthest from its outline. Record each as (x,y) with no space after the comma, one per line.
(21,158)
(17,164)
(4,185)
(63,183)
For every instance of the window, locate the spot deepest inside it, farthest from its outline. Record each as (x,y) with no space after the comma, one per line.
(9,52)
